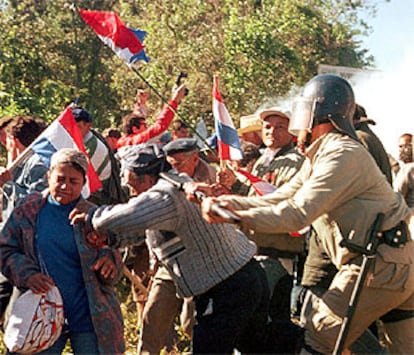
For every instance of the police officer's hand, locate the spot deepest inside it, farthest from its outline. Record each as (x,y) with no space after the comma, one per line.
(209,211)
(194,190)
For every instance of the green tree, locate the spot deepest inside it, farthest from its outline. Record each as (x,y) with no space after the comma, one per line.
(260,50)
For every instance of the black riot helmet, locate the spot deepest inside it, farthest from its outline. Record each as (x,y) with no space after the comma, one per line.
(325,98)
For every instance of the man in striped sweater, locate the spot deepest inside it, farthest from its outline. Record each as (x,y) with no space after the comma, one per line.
(212,263)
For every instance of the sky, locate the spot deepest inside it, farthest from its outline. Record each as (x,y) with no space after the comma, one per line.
(388,96)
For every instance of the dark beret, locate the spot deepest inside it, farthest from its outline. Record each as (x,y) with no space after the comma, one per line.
(144,159)
(180,145)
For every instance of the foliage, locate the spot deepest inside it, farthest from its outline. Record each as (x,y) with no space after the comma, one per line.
(259,48)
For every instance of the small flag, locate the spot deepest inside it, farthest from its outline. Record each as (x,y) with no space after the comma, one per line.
(201,129)
(125,42)
(260,186)
(64,133)
(227,138)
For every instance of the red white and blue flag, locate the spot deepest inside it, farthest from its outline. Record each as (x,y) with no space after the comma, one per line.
(263,188)
(124,41)
(64,133)
(260,186)
(228,141)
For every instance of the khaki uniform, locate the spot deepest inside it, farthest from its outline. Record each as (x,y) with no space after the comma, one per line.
(340,191)
(285,164)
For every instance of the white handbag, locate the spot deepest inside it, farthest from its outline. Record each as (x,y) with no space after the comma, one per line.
(35,323)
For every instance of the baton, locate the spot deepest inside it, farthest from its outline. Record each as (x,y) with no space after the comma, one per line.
(368,255)
(178,182)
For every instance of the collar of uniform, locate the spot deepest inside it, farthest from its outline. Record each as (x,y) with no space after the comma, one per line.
(314,147)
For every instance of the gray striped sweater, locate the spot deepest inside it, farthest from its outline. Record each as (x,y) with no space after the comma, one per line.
(198,255)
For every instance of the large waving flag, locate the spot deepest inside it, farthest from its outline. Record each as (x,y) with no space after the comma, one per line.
(64,133)
(227,138)
(124,41)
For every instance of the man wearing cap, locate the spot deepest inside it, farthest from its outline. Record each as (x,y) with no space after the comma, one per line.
(251,130)
(180,129)
(183,155)
(279,162)
(102,159)
(212,263)
(163,305)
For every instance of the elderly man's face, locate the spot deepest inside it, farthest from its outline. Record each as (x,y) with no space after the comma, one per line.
(184,162)
(275,132)
(137,184)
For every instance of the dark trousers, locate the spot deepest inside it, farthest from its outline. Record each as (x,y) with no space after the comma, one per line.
(233,314)
(6,289)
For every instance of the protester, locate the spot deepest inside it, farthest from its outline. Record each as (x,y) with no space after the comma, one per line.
(212,263)
(163,305)
(277,165)
(39,232)
(16,183)
(404,183)
(179,129)
(112,136)
(341,191)
(135,128)
(102,159)
(405,147)
(251,130)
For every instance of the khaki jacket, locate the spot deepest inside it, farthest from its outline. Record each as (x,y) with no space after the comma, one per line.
(339,190)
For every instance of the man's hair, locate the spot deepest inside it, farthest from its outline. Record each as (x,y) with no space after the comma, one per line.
(25,128)
(178,124)
(131,120)
(250,152)
(4,121)
(407,135)
(111,132)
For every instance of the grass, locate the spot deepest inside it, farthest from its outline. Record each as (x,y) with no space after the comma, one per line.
(131,333)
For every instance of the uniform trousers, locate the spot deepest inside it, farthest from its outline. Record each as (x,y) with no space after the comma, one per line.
(324,316)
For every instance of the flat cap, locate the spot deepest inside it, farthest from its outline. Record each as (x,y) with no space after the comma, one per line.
(274,111)
(69,156)
(144,159)
(180,145)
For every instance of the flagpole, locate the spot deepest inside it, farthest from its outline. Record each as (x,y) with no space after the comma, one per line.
(172,108)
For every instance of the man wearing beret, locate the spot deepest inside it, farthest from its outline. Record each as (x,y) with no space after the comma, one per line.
(163,305)
(183,155)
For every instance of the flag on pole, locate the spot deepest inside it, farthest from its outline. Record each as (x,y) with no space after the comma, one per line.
(227,138)
(260,186)
(124,41)
(64,133)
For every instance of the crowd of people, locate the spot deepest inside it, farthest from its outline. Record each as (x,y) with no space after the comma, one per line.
(280,276)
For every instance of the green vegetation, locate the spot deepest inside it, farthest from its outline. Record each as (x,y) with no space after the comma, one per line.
(261,49)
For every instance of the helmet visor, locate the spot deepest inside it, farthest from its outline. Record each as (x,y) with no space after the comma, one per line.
(303,110)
